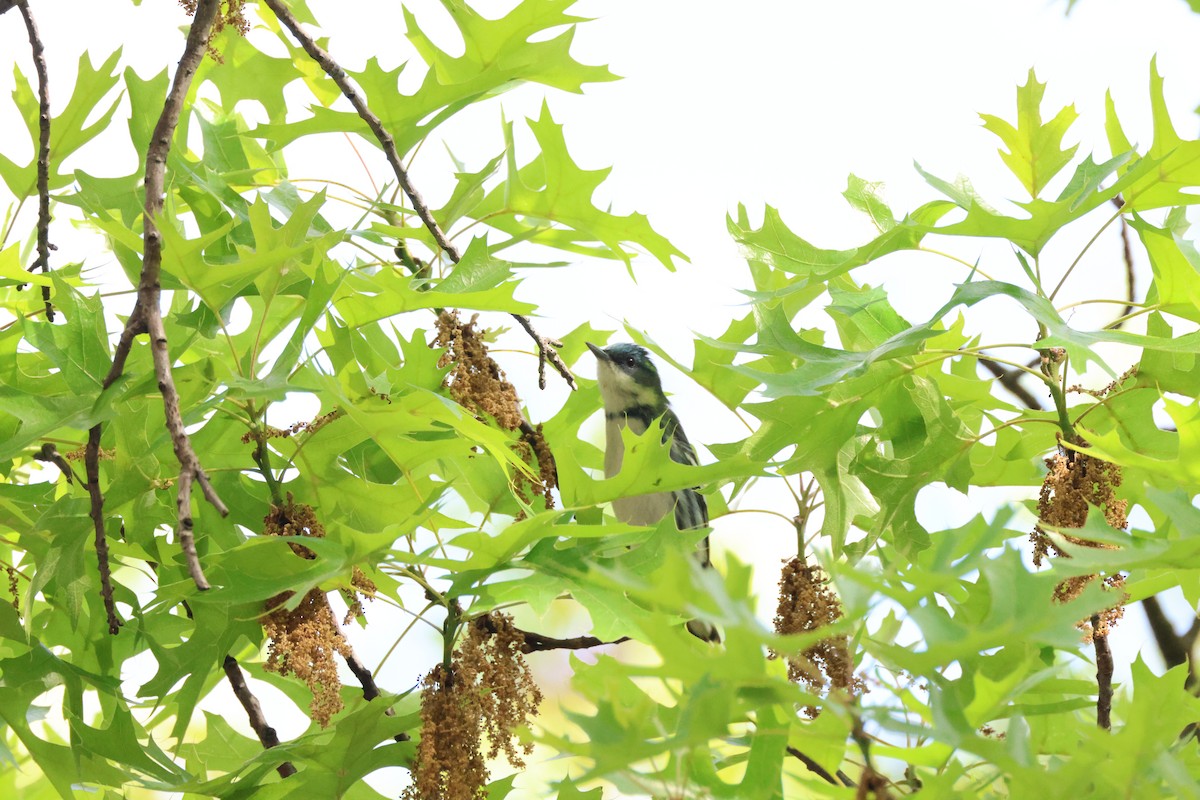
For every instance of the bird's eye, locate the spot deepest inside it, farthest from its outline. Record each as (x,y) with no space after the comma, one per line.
(630,361)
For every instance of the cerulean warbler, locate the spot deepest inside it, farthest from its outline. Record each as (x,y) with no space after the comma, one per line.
(633,397)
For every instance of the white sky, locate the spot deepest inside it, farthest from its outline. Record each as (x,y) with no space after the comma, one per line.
(760,101)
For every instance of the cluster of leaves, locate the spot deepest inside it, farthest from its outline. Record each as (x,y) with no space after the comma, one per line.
(419,461)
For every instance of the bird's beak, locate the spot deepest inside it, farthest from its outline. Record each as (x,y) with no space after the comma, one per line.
(598,352)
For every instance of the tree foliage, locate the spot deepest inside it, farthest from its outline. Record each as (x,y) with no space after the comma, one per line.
(902,659)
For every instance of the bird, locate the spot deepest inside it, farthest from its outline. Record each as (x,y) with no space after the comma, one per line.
(633,397)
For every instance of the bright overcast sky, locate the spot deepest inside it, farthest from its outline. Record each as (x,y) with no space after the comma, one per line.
(755,101)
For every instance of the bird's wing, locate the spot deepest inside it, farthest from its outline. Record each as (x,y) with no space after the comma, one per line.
(682,451)
(691,509)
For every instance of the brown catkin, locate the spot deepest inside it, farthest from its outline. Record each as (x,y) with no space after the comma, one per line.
(477,383)
(488,694)
(304,640)
(806,603)
(1074,482)
(14,590)
(232,15)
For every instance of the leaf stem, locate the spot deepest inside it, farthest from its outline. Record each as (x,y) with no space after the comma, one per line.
(1079,257)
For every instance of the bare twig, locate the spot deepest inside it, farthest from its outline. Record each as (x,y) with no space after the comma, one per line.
(1174,648)
(365,678)
(1011,380)
(146,317)
(816,768)
(92,464)
(545,345)
(266,734)
(370,688)
(43,158)
(1127,253)
(149,290)
(1104,674)
(536,642)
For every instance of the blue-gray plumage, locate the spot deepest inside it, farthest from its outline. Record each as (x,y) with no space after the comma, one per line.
(633,397)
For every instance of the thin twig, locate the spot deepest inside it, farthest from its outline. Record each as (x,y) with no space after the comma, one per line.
(43,159)
(1011,380)
(92,465)
(545,345)
(370,689)
(1173,647)
(816,768)
(266,734)
(365,678)
(1127,254)
(149,289)
(1104,674)
(536,642)
(146,317)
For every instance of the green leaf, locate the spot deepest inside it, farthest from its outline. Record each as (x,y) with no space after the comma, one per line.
(549,200)
(498,56)
(1035,152)
(68,129)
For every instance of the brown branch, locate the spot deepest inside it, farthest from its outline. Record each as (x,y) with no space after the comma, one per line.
(1011,380)
(146,317)
(43,159)
(1127,254)
(149,289)
(370,688)
(1174,648)
(536,642)
(266,734)
(365,678)
(546,351)
(92,465)
(1104,674)
(816,768)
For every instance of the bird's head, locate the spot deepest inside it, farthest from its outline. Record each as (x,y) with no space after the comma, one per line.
(628,378)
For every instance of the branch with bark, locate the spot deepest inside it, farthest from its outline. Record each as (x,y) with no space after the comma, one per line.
(266,734)
(545,346)
(43,158)
(146,317)
(1104,674)
(842,778)
(536,642)
(1011,380)
(1176,648)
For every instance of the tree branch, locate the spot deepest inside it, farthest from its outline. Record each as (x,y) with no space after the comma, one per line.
(266,734)
(92,465)
(370,688)
(1104,673)
(1011,380)
(1127,254)
(1173,647)
(545,346)
(146,317)
(536,642)
(149,289)
(816,768)
(43,158)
